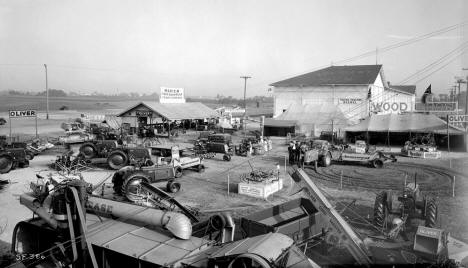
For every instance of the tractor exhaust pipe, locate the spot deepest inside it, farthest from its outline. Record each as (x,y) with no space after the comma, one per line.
(178,224)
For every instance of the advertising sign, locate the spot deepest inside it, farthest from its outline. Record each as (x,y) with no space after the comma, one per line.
(457,118)
(389,106)
(349,100)
(22,113)
(172,95)
(143,113)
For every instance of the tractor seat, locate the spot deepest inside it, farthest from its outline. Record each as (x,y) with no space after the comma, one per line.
(411,187)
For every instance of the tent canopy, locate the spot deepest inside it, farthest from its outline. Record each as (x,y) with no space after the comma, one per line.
(318,114)
(412,122)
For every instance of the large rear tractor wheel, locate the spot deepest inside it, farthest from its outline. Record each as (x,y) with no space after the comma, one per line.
(431,214)
(88,150)
(117,160)
(6,164)
(132,183)
(326,160)
(377,163)
(381,210)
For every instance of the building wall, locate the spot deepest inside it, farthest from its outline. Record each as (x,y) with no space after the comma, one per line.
(352,99)
(131,116)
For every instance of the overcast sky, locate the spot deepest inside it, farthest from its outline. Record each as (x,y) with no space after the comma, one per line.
(205,45)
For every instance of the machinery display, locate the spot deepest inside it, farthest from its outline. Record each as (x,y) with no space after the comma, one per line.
(76,228)
(116,156)
(320,152)
(362,152)
(425,151)
(178,158)
(216,143)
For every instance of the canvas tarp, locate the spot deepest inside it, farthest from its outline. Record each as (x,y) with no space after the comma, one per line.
(412,122)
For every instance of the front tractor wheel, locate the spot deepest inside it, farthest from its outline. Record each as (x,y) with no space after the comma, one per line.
(226,157)
(117,160)
(6,163)
(377,163)
(326,160)
(178,172)
(173,187)
(201,168)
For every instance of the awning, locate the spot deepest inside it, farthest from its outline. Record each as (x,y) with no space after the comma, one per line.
(317,114)
(412,122)
(177,111)
(271,122)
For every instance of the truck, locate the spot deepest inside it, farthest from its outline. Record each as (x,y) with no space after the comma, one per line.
(216,143)
(115,155)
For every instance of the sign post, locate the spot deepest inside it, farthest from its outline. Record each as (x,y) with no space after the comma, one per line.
(21,114)
(448,142)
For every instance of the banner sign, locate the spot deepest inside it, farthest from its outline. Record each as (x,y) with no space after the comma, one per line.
(172,95)
(457,118)
(389,106)
(22,113)
(437,106)
(349,100)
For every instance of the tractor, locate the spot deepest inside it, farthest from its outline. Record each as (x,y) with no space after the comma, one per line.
(10,158)
(412,205)
(115,155)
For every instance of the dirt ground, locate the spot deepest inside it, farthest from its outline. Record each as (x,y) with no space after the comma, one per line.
(208,191)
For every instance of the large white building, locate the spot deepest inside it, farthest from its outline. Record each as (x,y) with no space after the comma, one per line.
(357,90)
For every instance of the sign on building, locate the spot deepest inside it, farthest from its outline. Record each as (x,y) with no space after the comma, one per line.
(349,100)
(387,107)
(22,113)
(172,95)
(458,120)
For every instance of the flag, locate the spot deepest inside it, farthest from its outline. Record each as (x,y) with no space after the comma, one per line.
(426,94)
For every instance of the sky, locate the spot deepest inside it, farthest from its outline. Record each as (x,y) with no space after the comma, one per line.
(204,46)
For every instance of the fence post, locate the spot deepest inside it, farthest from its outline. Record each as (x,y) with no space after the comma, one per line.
(341,180)
(228,184)
(453,187)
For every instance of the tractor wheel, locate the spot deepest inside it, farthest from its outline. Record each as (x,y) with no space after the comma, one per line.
(149,162)
(178,172)
(172,186)
(431,214)
(201,168)
(29,156)
(380,210)
(325,160)
(226,157)
(88,150)
(6,164)
(377,163)
(117,160)
(131,183)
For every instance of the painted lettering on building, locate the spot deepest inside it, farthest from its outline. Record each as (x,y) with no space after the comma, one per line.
(349,100)
(389,107)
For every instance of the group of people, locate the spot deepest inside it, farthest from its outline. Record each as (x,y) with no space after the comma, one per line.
(296,152)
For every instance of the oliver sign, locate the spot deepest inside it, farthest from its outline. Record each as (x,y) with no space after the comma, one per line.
(22,113)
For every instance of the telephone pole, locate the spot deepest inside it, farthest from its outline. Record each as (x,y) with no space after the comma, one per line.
(47,93)
(245,89)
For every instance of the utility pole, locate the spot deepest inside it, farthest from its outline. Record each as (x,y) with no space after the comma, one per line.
(47,92)
(466,109)
(245,88)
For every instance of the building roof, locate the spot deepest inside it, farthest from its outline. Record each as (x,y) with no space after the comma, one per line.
(318,114)
(177,111)
(271,122)
(335,75)
(410,89)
